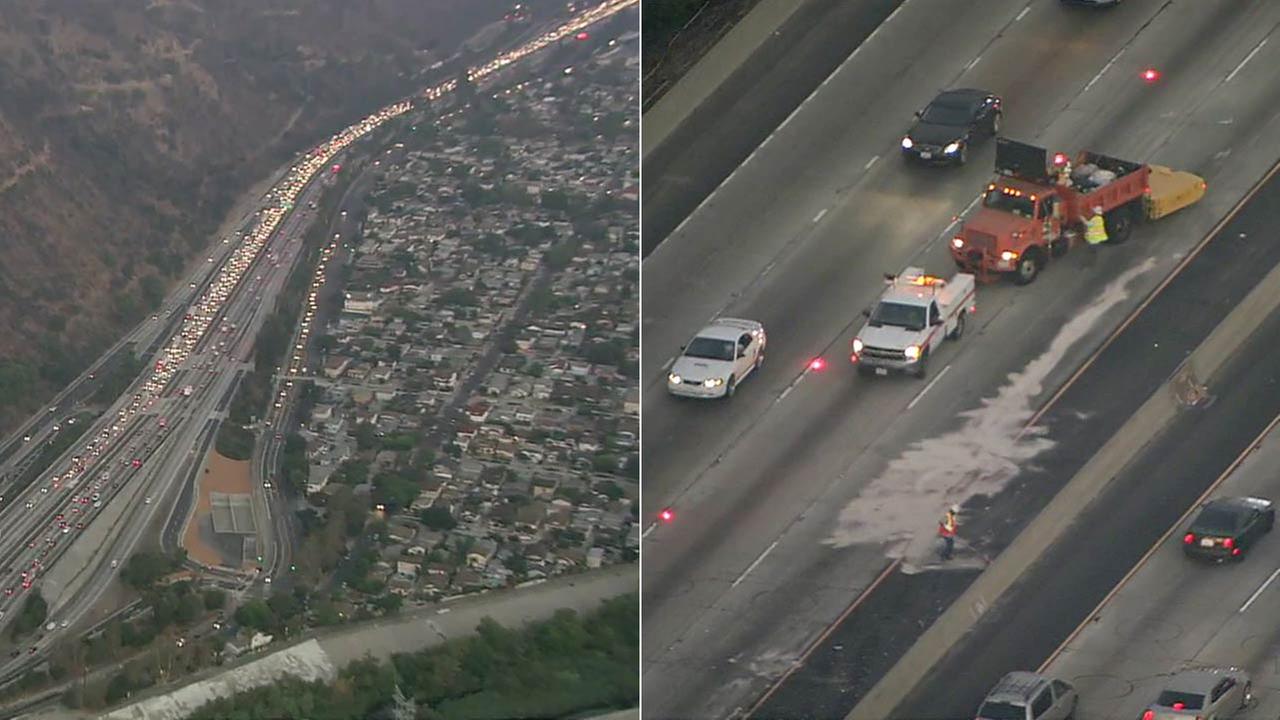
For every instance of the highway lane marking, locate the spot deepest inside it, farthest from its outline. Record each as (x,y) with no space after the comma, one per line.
(871,162)
(1104,70)
(1258,592)
(1023,14)
(817,218)
(1246,60)
(648,530)
(1213,487)
(760,559)
(928,387)
(804,654)
(1213,233)
(778,129)
(969,67)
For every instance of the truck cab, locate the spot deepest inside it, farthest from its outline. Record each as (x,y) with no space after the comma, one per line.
(916,312)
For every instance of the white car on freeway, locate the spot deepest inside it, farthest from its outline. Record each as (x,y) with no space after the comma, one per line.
(717,359)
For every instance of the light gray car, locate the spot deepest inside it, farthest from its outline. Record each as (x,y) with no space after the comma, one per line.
(1025,695)
(1218,693)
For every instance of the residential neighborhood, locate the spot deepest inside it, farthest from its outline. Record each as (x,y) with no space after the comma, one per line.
(477,390)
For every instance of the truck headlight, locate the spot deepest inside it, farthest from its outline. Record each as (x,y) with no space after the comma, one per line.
(912,352)
(957,242)
(952,148)
(857,345)
(906,143)
(1008,256)
(712,382)
(673,379)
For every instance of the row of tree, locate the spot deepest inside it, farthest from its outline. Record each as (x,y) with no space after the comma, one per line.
(550,669)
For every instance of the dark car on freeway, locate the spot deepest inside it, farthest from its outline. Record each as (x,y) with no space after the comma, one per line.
(946,128)
(1228,527)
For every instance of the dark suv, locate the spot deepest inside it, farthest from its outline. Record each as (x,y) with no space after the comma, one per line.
(948,125)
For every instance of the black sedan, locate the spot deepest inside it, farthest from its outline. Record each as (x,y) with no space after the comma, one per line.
(1228,527)
(948,125)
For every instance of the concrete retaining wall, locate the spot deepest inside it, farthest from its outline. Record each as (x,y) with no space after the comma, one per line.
(1051,524)
(712,70)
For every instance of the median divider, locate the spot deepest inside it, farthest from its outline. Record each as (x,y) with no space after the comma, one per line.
(1188,386)
(713,69)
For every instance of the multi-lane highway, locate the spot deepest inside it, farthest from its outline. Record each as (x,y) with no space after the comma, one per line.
(793,497)
(68,531)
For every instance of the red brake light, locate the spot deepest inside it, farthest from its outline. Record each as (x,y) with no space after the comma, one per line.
(1149,715)
(1059,159)
(1150,75)
(1228,543)
(1178,706)
(817,364)
(583,36)
(1189,538)
(667,515)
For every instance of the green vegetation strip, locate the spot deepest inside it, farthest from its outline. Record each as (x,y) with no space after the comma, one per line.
(550,669)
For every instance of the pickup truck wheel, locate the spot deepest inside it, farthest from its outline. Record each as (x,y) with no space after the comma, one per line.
(956,333)
(1119,224)
(1029,266)
(922,367)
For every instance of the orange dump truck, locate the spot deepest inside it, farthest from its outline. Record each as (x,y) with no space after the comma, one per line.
(1032,211)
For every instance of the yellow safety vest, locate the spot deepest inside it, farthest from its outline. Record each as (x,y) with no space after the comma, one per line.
(1095,230)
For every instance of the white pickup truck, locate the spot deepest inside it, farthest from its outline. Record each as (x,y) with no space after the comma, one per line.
(916,312)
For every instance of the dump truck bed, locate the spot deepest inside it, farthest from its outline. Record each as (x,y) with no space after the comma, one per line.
(1172,190)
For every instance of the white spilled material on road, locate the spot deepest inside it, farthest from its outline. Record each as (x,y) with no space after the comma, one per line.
(903,504)
(306,661)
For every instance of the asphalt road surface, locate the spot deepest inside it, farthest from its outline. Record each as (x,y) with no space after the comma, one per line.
(718,136)
(788,498)
(1123,376)
(1173,610)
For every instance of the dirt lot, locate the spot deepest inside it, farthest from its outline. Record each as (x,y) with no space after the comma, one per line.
(674,39)
(221,475)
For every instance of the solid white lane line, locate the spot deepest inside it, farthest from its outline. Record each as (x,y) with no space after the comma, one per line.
(972,62)
(1246,60)
(928,387)
(871,162)
(648,530)
(817,218)
(1023,14)
(1258,592)
(753,565)
(1104,70)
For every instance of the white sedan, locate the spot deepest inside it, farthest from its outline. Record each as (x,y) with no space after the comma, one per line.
(717,359)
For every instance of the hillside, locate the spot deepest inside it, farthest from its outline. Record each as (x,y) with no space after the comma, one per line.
(129,127)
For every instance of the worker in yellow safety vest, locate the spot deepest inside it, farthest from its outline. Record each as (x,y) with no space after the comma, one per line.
(947,528)
(1095,233)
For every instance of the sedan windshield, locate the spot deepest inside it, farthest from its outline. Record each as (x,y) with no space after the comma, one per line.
(1019,205)
(1217,521)
(709,349)
(937,114)
(1002,711)
(899,315)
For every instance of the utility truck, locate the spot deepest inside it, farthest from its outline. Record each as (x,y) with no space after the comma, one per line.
(912,317)
(1032,211)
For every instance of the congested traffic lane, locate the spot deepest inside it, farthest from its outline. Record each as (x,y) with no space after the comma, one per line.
(759,486)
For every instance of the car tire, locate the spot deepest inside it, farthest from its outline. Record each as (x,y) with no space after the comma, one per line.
(962,157)
(1271,521)
(1029,267)
(759,362)
(730,386)
(958,332)
(921,370)
(995,123)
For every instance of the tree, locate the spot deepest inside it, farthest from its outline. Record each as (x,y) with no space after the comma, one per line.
(438,518)
(255,614)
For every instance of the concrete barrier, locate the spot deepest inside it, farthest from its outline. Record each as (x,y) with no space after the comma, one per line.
(712,70)
(1186,386)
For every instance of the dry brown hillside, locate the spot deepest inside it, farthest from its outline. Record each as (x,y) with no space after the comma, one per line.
(129,127)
